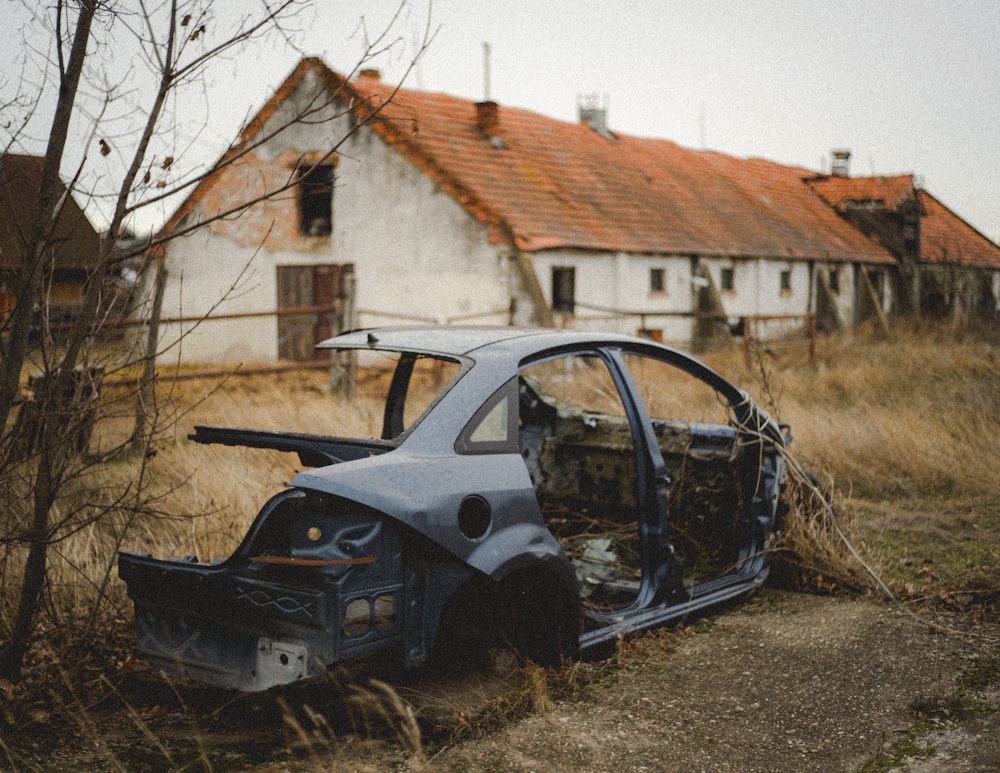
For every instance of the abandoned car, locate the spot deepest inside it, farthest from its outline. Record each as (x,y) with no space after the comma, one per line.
(543,490)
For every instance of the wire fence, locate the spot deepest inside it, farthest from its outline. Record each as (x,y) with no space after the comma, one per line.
(755,331)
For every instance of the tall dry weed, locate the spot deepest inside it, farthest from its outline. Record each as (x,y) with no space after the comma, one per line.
(907,421)
(908,416)
(912,417)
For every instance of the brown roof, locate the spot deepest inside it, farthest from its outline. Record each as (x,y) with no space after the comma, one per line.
(944,236)
(889,192)
(75,243)
(544,183)
(557,184)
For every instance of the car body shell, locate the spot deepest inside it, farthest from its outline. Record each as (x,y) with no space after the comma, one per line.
(406,543)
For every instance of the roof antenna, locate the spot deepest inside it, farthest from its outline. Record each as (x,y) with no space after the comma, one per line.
(486,72)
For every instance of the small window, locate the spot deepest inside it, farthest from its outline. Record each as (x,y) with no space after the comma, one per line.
(786,281)
(316,201)
(657,280)
(727,280)
(834,280)
(493,428)
(564,289)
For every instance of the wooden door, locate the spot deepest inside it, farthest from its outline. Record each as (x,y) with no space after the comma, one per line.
(312,301)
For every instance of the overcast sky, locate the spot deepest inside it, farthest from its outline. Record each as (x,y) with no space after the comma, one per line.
(906,85)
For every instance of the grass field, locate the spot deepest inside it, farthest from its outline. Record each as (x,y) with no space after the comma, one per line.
(902,431)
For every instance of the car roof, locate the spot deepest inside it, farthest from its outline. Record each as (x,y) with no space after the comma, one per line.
(463,340)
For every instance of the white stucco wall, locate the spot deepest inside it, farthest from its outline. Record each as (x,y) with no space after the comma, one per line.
(756,291)
(211,276)
(415,250)
(620,282)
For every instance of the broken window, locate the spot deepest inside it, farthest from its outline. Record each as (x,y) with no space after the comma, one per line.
(564,289)
(727,280)
(316,201)
(417,382)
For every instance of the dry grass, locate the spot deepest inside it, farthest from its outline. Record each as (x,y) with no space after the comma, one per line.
(897,426)
(911,416)
(901,432)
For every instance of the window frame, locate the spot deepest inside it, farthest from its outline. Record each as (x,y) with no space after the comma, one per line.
(505,398)
(316,200)
(657,281)
(727,279)
(564,289)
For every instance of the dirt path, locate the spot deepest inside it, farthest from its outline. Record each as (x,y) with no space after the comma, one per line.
(788,682)
(785,682)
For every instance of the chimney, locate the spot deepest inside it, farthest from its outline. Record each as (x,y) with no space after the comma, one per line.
(841,165)
(488,118)
(370,72)
(593,112)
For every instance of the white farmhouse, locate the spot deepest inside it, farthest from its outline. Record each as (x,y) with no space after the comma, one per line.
(401,205)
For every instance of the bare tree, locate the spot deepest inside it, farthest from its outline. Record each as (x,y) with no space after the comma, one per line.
(177,41)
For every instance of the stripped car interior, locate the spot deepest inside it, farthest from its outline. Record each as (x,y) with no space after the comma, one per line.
(546,491)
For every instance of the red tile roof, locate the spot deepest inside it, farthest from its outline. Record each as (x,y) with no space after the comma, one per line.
(557,184)
(541,183)
(888,192)
(944,236)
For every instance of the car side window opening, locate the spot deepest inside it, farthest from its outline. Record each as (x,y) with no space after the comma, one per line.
(577,443)
(417,381)
(711,477)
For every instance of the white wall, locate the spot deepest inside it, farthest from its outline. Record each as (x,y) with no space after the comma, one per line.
(621,282)
(209,276)
(757,291)
(415,249)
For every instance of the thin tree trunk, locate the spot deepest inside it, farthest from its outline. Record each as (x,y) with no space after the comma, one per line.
(52,455)
(35,566)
